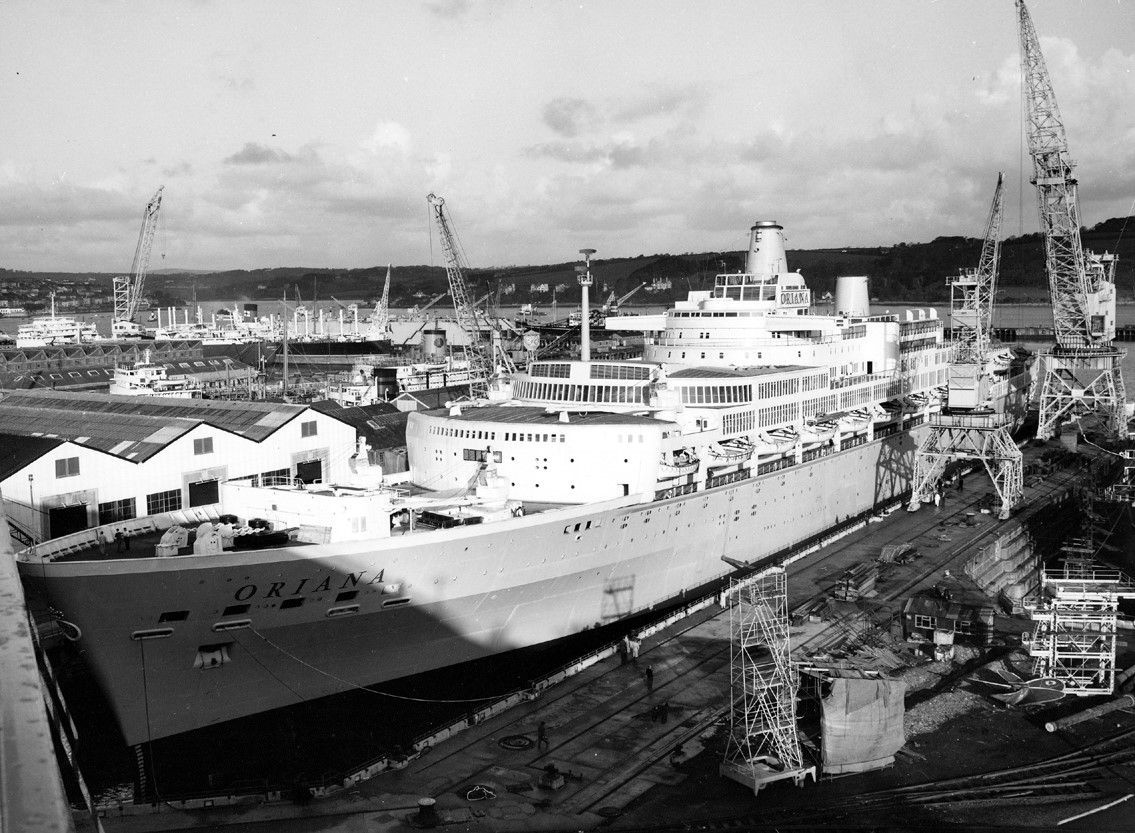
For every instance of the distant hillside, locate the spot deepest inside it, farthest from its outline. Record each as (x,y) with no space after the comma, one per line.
(904,271)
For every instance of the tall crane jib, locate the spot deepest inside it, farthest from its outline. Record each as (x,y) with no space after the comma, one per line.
(128,288)
(971,315)
(483,357)
(1082,373)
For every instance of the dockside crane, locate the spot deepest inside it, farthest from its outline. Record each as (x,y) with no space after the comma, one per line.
(128,288)
(974,424)
(1081,374)
(612,304)
(484,358)
(380,319)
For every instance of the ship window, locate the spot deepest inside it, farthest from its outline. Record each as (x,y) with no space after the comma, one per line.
(395,602)
(203,445)
(67,467)
(346,610)
(309,429)
(151,633)
(234,625)
(174,616)
(346,595)
(287,604)
(234,610)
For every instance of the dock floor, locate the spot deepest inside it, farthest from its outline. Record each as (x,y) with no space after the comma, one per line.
(599,727)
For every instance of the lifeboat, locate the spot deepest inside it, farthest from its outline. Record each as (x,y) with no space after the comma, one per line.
(728,452)
(679,465)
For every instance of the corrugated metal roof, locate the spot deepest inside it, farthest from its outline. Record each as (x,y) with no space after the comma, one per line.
(254,420)
(133,436)
(18,451)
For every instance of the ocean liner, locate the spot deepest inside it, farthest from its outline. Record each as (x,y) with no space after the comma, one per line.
(579,493)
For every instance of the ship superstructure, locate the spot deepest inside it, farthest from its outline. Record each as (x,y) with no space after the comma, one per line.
(579,493)
(52,330)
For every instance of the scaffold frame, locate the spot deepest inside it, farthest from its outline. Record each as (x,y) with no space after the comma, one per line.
(763,744)
(1075,618)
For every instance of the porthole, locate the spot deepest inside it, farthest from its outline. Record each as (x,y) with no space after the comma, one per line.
(152,633)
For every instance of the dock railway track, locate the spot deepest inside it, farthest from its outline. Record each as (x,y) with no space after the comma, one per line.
(712,658)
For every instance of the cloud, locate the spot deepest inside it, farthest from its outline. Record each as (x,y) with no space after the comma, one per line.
(180,169)
(256,154)
(573,117)
(389,135)
(658,101)
(242,83)
(449,8)
(570,116)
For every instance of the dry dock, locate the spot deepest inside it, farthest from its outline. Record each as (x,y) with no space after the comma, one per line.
(617,761)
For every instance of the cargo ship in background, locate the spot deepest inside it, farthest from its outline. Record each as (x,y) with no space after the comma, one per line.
(580,493)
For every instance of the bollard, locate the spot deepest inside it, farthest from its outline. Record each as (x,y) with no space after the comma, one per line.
(1124,702)
(427,813)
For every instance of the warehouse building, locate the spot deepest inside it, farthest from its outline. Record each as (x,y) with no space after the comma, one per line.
(69,461)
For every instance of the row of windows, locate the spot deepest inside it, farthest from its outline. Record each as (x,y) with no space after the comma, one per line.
(821,405)
(748,293)
(619,394)
(920,344)
(462,433)
(524,437)
(781,387)
(158,502)
(817,381)
(909,328)
(717,394)
(551,371)
(619,371)
(117,510)
(778,414)
(738,422)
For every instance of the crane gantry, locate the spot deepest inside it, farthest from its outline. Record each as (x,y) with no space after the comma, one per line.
(128,288)
(484,358)
(1081,374)
(974,425)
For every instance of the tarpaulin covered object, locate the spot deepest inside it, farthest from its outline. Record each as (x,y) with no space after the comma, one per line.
(862,724)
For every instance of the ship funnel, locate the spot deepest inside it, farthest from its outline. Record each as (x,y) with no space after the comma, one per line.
(851,297)
(766,249)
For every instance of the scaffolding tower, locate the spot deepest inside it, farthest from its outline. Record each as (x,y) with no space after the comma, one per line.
(763,745)
(1075,615)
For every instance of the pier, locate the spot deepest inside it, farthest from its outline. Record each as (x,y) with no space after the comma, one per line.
(606,754)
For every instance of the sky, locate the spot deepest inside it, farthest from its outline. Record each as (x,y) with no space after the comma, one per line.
(294,133)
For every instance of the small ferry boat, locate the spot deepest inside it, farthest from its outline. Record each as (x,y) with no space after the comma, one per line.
(147,378)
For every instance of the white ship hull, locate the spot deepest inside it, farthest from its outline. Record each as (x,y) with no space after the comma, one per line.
(473,591)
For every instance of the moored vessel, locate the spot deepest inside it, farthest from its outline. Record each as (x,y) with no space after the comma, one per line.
(580,493)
